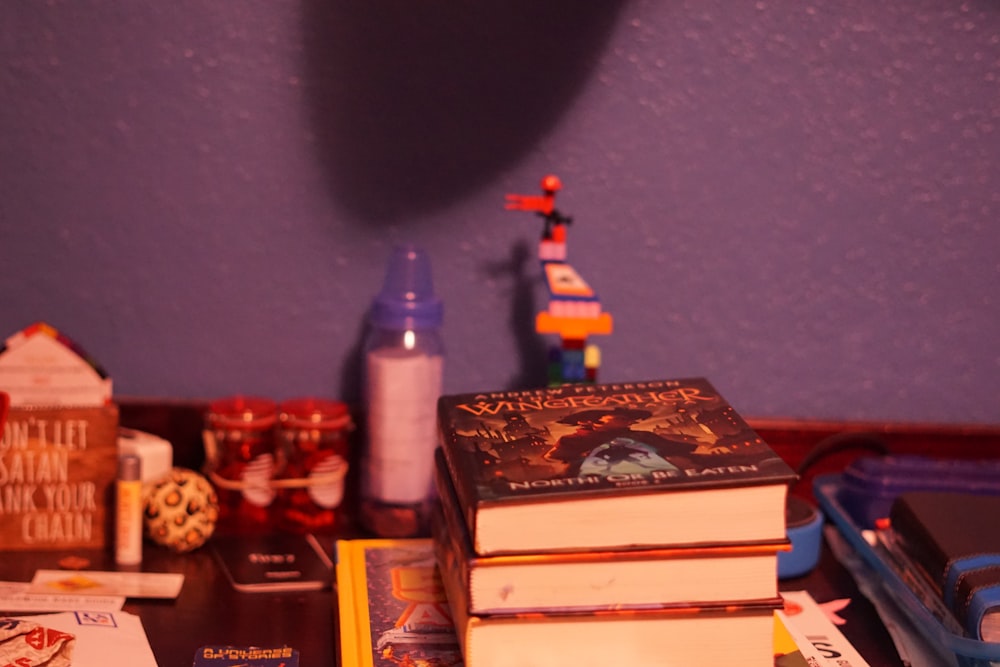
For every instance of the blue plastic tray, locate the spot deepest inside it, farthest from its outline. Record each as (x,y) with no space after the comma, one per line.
(969,652)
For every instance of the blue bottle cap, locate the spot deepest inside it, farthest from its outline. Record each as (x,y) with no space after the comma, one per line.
(407,300)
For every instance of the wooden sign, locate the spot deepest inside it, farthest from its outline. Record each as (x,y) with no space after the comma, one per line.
(57,473)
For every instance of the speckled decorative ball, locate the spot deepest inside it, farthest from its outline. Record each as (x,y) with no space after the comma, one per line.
(180,510)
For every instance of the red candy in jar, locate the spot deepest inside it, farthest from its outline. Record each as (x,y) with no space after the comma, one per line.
(243,460)
(313,434)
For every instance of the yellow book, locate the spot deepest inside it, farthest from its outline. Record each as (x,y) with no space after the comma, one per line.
(392,606)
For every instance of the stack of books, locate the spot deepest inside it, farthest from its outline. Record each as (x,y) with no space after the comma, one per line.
(634,524)
(392,611)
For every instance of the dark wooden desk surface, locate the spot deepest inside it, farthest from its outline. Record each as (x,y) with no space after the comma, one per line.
(209,611)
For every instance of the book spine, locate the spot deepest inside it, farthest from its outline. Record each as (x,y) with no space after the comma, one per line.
(445,533)
(464,494)
(457,594)
(352,605)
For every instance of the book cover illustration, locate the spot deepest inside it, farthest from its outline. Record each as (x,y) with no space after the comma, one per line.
(584,438)
(246,656)
(392,605)
(786,651)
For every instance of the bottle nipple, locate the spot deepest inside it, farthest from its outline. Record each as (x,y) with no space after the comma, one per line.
(407,299)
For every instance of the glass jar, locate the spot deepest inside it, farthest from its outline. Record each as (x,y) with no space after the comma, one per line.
(242,461)
(313,436)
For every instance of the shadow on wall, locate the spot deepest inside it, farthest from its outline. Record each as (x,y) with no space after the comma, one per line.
(414,104)
(532,348)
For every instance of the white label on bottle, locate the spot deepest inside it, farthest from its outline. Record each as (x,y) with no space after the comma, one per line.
(328,494)
(403,389)
(257,489)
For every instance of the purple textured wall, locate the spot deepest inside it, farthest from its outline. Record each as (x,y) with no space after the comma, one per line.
(797,200)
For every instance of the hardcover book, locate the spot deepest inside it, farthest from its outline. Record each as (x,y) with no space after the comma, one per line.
(953,540)
(610,466)
(392,608)
(599,580)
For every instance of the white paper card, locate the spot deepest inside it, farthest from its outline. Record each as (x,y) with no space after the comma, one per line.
(91,582)
(15,596)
